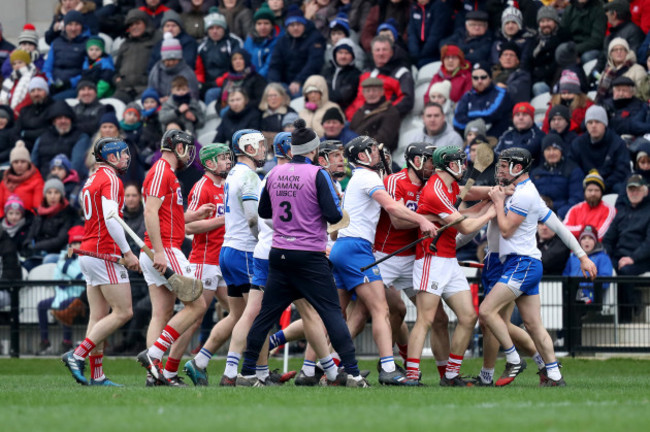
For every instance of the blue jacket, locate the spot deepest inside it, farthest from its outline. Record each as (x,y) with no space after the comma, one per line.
(609,156)
(561,183)
(475,49)
(261,50)
(345,136)
(65,59)
(427,26)
(628,117)
(493,106)
(603,264)
(295,59)
(102,69)
(530,139)
(67,269)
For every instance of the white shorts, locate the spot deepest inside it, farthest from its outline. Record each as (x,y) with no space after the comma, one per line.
(175,260)
(209,274)
(99,272)
(440,276)
(396,271)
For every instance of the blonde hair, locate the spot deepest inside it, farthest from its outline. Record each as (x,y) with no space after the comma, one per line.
(263,106)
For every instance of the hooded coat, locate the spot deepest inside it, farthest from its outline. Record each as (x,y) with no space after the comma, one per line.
(314,118)
(342,81)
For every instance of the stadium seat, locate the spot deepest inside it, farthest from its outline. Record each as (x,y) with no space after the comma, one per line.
(29,297)
(211,111)
(297,104)
(117,104)
(210,127)
(72,102)
(116,46)
(43,47)
(540,102)
(592,95)
(589,66)
(427,72)
(409,123)
(610,198)
(418,105)
(108,42)
(206,137)
(204,108)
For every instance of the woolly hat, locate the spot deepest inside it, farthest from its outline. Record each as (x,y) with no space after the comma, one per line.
(38,83)
(294,14)
(452,50)
(391,25)
(214,18)
(150,93)
(132,106)
(346,44)
(511,13)
(510,46)
(560,110)
(28,35)
(303,139)
(171,15)
(289,118)
(548,12)
(595,178)
(264,13)
(75,234)
(135,15)
(21,55)
(442,87)
(61,160)
(19,152)
(54,183)
(477,126)
(171,48)
(589,231)
(566,54)
(482,65)
(569,82)
(86,83)
(524,107)
(617,41)
(14,203)
(73,16)
(96,41)
(598,113)
(553,140)
(340,21)
(333,114)
(109,117)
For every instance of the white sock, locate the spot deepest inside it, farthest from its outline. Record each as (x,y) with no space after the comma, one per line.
(232,364)
(203,358)
(512,356)
(487,375)
(155,352)
(309,368)
(168,374)
(539,361)
(553,371)
(387,363)
(262,372)
(329,367)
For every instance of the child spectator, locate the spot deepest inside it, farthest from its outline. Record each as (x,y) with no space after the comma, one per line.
(98,67)
(570,95)
(28,42)
(16,222)
(641,150)
(341,74)
(170,65)
(15,88)
(22,179)
(151,127)
(339,29)
(61,168)
(260,43)
(181,108)
(131,124)
(171,23)
(559,121)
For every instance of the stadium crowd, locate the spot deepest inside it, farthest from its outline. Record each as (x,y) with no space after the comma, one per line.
(347,68)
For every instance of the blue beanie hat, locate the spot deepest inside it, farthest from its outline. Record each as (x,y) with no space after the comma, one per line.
(341,21)
(109,117)
(150,93)
(61,160)
(294,14)
(391,25)
(73,16)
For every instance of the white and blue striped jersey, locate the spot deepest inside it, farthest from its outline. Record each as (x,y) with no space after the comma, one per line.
(363,210)
(265,237)
(242,184)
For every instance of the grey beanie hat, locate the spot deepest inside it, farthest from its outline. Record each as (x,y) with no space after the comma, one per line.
(54,183)
(598,113)
(548,12)
(477,126)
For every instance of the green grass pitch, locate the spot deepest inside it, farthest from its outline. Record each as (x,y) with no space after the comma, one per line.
(602,395)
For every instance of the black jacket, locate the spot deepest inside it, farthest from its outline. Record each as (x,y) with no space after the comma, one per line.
(50,233)
(248,118)
(9,264)
(342,83)
(7,135)
(554,255)
(33,122)
(629,233)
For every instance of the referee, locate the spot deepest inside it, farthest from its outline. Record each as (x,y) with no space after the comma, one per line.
(300,199)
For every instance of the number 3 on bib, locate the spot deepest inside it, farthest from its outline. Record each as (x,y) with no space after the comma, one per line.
(287,216)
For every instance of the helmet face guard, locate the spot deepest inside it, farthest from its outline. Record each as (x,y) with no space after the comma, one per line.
(216,153)
(170,141)
(253,139)
(513,156)
(443,157)
(363,144)
(326,148)
(105,147)
(425,152)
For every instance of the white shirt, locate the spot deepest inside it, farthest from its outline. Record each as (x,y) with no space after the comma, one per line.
(242,184)
(525,202)
(363,210)
(265,237)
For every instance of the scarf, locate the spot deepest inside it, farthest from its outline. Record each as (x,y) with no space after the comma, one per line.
(12,181)
(11,230)
(130,127)
(51,211)
(15,87)
(148,113)
(609,74)
(230,80)
(282,110)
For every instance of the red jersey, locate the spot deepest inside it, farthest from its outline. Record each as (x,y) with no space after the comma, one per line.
(103,183)
(206,246)
(437,199)
(161,182)
(388,238)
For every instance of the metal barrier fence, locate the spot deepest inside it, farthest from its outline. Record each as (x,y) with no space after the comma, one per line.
(605,325)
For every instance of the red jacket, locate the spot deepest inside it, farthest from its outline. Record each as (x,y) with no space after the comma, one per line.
(30,191)
(581,215)
(391,87)
(461,83)
(577,118)
(640,10)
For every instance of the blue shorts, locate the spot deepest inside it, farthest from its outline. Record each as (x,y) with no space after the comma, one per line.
(260,272)
(522,274)
(491,272)
(237,269)
(348,255)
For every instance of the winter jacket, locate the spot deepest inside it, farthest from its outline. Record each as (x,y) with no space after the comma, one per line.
(427,27)
(342,82)
(345,136)
(379,121)
(161,77)
(8,135)
(50,233)
(642,52)
(475,48)
(524,39)
(89,21)
(252,82)
(6,48)
(379,13)
(493,105)
(448,137)
(100,72)
(155,15)
(72,186)
(192,17)
(248,118)
(150,137)
(65,60)
(626,30)
(15,88)
(543,62)
(561,183)
(581,215)
(460,79)
(603,264)
(554,255)
(29,188)
(239,18)
(272,120)
(74,145)
(189,45)
(213,58)
(586,23)
(640,10)
(629,234)
(261,50)
(530,139)
(518,82)
(628,116)
(295,59)
(88,116)
(33,121)
(609,156)
(170,113)
(314,118)
(135,220)
(37,60)
(9,264)
(629,68)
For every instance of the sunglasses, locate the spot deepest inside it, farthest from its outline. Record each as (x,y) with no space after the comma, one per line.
(479,77)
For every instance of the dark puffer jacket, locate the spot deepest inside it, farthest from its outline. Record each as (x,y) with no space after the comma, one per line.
(50,233)
(295,59)
(629,233)
(65,60)
(561,183)
(33,122)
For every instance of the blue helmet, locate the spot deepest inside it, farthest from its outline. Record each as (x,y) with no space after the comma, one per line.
(107,146)
(234,143)
(282,145)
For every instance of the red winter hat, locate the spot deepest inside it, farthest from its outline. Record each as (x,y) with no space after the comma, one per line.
(524,107)
(452,50)
(75,234)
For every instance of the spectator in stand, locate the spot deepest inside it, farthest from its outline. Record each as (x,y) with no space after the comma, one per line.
(508,73)
(486,178)
(238,16)
(65,59)
(10,268)
(15,225)
(321,13)
(317,102)
(439,93)
(181,108)
(155,10)
(89,110)
(486,101)
(192,16)
(628,243)
(260,43)
(62,136)
(567,59)
(240,115)
(134,212)
(378,118)
(61,168)
(171,23)
(559,120)
(557,178)
(399,10)
(644,87)
(298,54)
(28,42)
(8,133)
(571,96)
(131,73)
(456,70)
(131,124)
(524,134)
(602,149)
(279,9)
(644,50)
(399,86)
(98,67)
(549,37)
(640,10)
(22,179)
(340,29)
(430,22)
(274,107)
(642,158)
(586,22)
(436,130)
(621,61)
(214,55)
(85,7)
(474,129)
(593,210)
(151,127)
(241,74)
(513,32)
(389,29)
(619,25)
(48,233)
(334,127)
(341,74)
(33,119)
(169,67)
(474,39)
(555,254)
(627,112)
(6,47)
(15,87)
